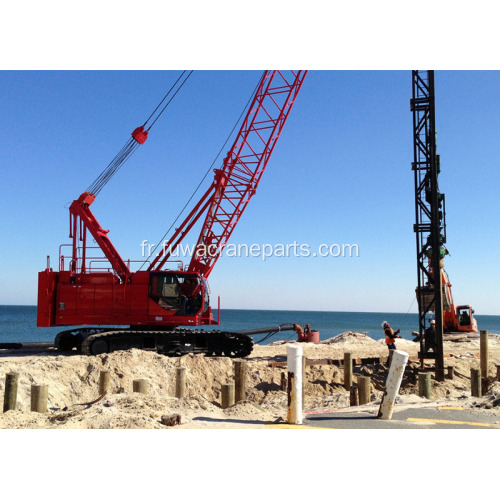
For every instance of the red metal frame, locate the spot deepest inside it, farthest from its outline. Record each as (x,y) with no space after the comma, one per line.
(234,184)
(80,211)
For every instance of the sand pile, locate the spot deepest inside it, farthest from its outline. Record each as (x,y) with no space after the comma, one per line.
(349,338)
(73,381)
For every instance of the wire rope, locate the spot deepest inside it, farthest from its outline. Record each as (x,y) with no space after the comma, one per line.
(132,144)
(206,173)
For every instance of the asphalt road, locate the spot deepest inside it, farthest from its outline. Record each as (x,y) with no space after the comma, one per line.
(440,417)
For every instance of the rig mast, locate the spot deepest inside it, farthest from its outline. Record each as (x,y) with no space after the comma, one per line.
(430,224)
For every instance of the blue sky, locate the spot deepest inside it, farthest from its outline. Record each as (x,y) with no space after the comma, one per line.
(339,174)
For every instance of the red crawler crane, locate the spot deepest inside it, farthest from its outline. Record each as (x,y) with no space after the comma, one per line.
(153,302)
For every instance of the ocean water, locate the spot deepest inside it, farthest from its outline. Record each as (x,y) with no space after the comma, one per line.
(18,323)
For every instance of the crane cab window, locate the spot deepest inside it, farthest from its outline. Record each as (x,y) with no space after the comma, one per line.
(177,292)
(206,303)
(192,294)
(164,290)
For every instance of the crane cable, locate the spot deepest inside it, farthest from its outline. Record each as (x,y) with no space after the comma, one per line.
(139,136)
(206,173)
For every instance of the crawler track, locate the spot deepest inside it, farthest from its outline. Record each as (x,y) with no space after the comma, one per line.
(170,343)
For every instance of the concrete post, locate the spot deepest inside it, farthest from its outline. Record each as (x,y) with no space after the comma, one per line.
(294,390)
(392,384)
(39,397)
(10,395)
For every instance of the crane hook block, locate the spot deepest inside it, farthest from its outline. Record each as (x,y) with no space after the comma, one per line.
(140,135)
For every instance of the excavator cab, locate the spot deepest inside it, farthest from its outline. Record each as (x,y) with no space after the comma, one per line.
(465,319)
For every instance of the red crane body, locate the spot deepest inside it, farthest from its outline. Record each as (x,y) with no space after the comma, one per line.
(102,290)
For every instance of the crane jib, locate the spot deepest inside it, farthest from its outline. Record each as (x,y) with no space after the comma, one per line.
(245,163)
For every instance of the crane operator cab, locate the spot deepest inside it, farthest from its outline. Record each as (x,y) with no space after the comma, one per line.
(185,294)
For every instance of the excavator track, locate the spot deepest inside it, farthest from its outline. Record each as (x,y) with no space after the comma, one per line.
(170,343)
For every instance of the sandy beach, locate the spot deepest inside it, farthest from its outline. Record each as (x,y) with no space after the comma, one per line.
(73,385)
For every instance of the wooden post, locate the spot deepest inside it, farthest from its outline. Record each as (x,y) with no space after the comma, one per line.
(10,396)
(475,382)
(364,390)
(227,396)
(424,385)
(141,385)
(392,384)
(240,375)
(347,370)
(180,382)
(284,382)
(389,358)
(39,396)
(498,372)
(353,395)
(483,350)
(451,372)
(294,389)
(104,382)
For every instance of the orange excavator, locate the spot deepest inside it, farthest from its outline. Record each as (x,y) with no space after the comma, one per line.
(456,319)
